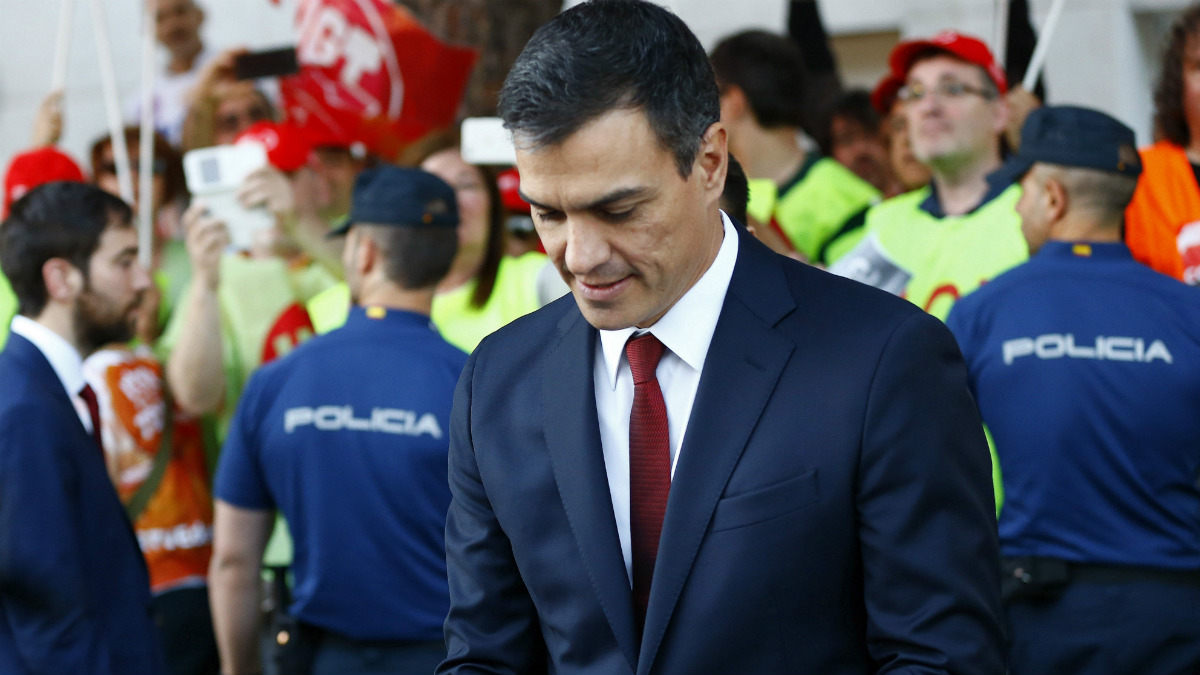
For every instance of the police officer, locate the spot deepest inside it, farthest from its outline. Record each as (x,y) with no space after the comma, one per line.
(1086,366)
(347,436)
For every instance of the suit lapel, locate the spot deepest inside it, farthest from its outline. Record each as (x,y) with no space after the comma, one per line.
(747,357)
(573,439)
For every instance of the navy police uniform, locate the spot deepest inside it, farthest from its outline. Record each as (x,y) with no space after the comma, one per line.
(348,437)
(1086,368)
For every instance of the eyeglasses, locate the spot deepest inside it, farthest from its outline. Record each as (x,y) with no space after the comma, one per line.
(916,91)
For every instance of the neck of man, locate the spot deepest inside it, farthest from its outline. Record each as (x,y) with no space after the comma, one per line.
(768,153)
(389,295)
(184,58)
(962,185)
(1085,227)
(61,319)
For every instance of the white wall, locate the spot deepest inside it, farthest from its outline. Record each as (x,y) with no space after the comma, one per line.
(28,29)
(1105,54)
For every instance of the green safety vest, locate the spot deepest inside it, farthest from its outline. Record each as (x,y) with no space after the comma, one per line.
(815,205)
(935,261)
(8,308)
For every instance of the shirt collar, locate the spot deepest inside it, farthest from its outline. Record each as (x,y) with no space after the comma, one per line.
(63,358)
(362,315)
(687,327)
(997,182)
(1096,250)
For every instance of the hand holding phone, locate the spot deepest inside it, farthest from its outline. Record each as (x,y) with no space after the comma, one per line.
(216,174)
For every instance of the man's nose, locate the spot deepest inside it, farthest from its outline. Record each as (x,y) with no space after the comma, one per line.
(587,248)
(141,277)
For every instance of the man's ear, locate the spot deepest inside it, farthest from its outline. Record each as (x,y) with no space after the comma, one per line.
(713,159)
(64,281)
(1057,200)
(1003,115)
(367,257)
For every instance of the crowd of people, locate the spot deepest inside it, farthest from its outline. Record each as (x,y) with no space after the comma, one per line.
(734,371)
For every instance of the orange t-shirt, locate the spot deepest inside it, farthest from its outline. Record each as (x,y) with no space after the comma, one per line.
(175,529)
(1162,223)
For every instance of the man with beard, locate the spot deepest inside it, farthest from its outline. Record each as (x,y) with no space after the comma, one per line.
(74,592)
(347,437)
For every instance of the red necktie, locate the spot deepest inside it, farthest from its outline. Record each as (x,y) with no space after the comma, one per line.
(93,406)
(649,464)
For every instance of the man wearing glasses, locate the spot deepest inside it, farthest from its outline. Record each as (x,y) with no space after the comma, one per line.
(936,244)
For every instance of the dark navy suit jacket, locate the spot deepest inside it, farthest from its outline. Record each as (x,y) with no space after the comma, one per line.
(831,510)
(74,592)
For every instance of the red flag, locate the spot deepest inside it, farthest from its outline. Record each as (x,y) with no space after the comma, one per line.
(370,73)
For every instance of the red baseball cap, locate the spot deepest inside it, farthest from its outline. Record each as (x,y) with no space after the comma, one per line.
(884,94)
(965,47)
(36,167)
(287,147)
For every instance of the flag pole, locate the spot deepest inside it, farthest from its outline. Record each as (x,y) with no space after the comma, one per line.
(1000,33)
(62,45)
(112,106)
(146,141)
(1043,46)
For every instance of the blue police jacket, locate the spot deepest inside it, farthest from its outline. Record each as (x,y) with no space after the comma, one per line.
(1086,367)
(347,436)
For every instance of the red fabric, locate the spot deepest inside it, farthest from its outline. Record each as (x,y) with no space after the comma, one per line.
(288,148)
(93,405)
(649,464)
(370,73)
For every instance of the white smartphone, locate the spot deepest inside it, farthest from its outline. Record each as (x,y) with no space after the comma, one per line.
(215,174)
(486,141)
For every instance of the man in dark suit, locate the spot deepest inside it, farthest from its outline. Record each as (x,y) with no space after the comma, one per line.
(74,593)
(712,459)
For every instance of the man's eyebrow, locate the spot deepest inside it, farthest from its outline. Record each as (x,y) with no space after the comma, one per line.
(620,194)
(127,251)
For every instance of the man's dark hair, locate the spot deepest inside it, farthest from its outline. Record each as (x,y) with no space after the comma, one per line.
(855,106)
(770,70)
(167,160)
(607,55)
(56,220)
(1170,122)
(414,257)
(736,194)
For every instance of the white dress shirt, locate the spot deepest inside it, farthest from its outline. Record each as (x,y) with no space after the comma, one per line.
(686,330)
(63,358)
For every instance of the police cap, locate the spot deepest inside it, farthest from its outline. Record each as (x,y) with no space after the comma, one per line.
(391,195)
(1075,137)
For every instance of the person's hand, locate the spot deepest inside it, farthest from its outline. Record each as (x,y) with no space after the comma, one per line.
(270,188)
(217,71)
(206,239)
(48,124)
(1021,102)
